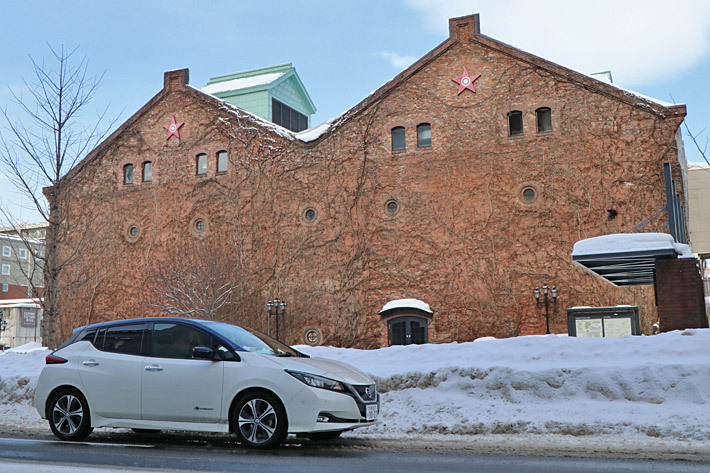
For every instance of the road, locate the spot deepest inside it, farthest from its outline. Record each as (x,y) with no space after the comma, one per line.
(142,454)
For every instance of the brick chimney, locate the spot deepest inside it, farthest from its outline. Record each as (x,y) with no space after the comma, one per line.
(176,79)
(464,27)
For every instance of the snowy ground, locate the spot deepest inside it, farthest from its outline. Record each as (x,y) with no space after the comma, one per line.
(630,394)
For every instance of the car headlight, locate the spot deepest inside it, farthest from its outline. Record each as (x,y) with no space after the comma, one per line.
(318,381)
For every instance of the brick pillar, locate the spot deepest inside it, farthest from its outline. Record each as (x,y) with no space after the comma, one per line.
(679,294)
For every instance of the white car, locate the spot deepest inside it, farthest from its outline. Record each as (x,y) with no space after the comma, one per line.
(181,374)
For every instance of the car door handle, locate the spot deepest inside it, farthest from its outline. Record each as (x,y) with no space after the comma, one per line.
(153,368)
(90,363)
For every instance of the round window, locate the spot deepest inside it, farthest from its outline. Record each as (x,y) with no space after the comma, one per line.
(200,225)
(528,194)
(392,206)
(309,215)
(132,232)
(312,336)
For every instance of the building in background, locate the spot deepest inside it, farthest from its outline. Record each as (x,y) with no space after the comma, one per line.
(21,273)
(461,184)
(20,322)
(36,231)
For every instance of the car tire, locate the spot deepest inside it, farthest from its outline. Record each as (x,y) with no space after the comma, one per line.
(69,416)
(259,420)
(320,436)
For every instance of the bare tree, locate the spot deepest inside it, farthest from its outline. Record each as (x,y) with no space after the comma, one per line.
(196,281)
(39,148)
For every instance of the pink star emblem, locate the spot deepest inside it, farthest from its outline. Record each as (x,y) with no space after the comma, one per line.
(173,128)
(466,81)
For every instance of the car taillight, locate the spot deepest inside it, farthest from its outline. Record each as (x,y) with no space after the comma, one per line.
(54,360)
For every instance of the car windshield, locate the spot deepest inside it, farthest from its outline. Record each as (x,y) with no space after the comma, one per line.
(251,340)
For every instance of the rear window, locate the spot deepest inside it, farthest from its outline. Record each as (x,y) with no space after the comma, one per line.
(126,339)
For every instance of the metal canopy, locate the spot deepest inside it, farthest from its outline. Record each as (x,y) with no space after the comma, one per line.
(625,268)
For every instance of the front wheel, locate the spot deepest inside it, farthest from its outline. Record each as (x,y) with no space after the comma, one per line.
(260,420)
(69,415)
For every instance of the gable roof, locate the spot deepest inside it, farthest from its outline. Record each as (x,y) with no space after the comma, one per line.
(467,29)
(255,80)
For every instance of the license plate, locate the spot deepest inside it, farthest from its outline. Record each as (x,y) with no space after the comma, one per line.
(371,411)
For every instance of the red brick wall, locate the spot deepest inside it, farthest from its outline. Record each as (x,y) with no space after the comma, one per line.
(462,240)
(680,295)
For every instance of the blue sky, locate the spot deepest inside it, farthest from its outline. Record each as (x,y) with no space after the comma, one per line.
(344,50)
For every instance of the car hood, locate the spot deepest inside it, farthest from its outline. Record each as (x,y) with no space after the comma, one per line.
(325,367)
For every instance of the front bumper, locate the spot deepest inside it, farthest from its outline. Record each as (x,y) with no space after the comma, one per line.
(342,411)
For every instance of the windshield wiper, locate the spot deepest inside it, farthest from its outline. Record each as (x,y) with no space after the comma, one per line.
(284,354)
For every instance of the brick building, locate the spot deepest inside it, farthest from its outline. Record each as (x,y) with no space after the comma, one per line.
(461,184)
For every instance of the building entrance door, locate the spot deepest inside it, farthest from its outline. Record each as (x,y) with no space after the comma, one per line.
(408,330)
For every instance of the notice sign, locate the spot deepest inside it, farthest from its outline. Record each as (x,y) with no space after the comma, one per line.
(589,327)
(29,318)
(617,327)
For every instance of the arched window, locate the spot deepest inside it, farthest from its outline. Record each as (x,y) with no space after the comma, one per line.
(201,164)
(515,123)
(408,330)
(423,135)
(221,161)
(398,141)
(147,171)
(544,119)
(128,174)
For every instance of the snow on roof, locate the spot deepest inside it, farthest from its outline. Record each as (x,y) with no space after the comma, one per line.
(603,77)
(26,303)
(315,132)
(630,242)
(6,236)
(408,304)
(241,83)
(278,129)
(694,166)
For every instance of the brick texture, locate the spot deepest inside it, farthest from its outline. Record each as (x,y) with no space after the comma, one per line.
(680,295)
(462,239)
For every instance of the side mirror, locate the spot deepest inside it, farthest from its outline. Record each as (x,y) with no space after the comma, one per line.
(204,353)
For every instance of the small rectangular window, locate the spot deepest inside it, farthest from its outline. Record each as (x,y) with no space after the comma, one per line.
(128,174)
(515,123)
(6,269)
(22,253)
(544,119)
(222,161)
(201,164)
(424,135)
(6,251)
(147,171)
(398,138)
(5,288)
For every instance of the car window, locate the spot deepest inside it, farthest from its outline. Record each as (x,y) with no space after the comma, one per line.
(125,339)
(177,340)
(88,336)
(251,340)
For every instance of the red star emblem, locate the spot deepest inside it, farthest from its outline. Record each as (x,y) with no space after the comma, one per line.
(466,81)
(173,128)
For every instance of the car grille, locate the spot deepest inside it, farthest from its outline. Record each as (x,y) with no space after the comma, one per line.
(367,393)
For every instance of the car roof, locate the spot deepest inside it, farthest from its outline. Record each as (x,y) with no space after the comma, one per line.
(143,320)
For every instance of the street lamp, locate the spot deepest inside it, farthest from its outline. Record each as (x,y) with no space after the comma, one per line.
(274,308)
(545,291)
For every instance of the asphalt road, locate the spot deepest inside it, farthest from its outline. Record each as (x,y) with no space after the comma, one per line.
(51,456)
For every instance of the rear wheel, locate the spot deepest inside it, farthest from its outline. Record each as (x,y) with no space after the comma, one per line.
(69,415)
(259,420)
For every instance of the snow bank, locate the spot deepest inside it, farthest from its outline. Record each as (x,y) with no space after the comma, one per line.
(655,387)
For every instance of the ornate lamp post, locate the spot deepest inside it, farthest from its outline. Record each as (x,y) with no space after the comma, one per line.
(274,308)
(545,291)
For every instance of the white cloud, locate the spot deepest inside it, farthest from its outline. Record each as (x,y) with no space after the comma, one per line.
(641,41)
(400,62)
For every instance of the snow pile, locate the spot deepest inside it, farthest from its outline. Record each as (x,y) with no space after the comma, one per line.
(19,370)
(654,386)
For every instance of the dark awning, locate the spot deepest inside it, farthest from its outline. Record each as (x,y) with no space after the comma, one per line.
(626,259)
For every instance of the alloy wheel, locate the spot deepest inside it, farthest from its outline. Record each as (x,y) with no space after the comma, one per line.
(258,421)
(67,414)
